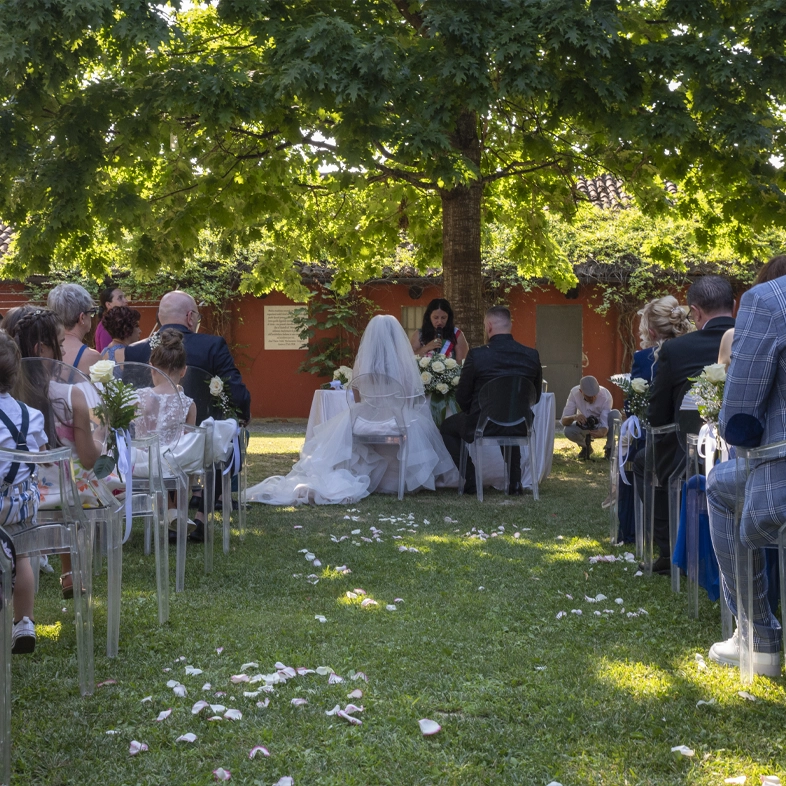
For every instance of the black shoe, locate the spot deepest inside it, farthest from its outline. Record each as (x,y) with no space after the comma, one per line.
(219,505)
(607,454)
(515,489)
(195,502)
(198,535)
(661,566)
(583,456)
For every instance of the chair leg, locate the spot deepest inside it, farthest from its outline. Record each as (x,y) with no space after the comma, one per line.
(675,488)
(113,529)
(479,468)
(638,519)
(6,627)
(506,451)
(209,500)
(161,529)
(402,467)
(182,536)
(462,467)
(693,498)
(82,575)
(99,542)
(242,479)
(533,468)
(226,500)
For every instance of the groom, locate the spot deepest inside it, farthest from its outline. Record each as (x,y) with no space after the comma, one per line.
(500,357)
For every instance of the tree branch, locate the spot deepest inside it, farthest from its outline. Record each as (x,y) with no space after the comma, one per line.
(414,18)
(518,168)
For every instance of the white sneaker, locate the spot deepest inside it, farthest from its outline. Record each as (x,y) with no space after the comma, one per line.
(23,637)
(727,653)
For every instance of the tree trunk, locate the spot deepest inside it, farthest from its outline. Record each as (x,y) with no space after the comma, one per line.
(462,278)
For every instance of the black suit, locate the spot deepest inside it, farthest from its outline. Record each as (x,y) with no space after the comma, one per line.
(678,359)
(501,357)
(208,352)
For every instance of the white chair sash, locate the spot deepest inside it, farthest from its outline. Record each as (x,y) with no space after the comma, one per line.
(630,431)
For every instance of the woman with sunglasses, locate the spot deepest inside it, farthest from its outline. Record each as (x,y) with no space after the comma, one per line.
(76,309)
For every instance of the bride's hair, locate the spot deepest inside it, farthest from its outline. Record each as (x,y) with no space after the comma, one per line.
(169,352)
(385,349)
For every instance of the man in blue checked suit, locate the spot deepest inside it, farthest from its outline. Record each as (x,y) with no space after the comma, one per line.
(753,414)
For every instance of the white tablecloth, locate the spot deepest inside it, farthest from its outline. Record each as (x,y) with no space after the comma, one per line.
(327,403)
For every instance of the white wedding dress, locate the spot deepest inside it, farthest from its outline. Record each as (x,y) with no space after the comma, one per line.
(332,471)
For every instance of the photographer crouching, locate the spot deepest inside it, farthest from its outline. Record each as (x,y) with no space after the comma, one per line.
(588,414)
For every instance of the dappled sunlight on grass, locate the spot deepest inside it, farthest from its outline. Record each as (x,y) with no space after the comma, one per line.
(635,678)
(51,632)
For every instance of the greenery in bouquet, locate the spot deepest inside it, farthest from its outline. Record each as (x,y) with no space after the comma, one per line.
(637,394)
(118,410)
(219,393)
(707,390)
(440,376)
(342,376)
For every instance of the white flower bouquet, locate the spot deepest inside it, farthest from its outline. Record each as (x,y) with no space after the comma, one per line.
(118,410)
(637,394)
(440,377)
(707,391)
(219,392)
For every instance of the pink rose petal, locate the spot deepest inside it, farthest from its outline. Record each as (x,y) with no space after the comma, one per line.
(163,715)
(263,704)
(298,702)
(219,693)
(146,699)
(105,683)
(359,675)
(349,718)
(334,711)
(215,718)
(237,678)
(280,665)
(218,708)
(233,715)
(180,691)
(188,737)
(250,665)
(302,671)
(136,747)
(359,591)
(221,774)
(219,650)
(285,781)
(356,694)
(429,727)
(287,672)
(258,749)
(351,708)
(334,679)
(368,602)
(398,600)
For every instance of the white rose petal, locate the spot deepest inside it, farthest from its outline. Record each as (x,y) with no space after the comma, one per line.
(450,364)
(426,377)
(715,372)
(187,737)
(443,388)
(423,362)
(429,727)
(438,366)
(103,371)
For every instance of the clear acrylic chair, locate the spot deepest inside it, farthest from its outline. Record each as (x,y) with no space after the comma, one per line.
(380,412)
(71,534)
(76,410)
(743,557)
(6,627)
(505,402)
(227,470)
(160,413)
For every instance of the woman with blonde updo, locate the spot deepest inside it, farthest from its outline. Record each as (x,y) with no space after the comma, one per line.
(661,319)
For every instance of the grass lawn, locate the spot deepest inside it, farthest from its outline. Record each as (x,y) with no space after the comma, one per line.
(475,644)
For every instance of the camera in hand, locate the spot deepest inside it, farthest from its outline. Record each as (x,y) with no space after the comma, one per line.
(590,424)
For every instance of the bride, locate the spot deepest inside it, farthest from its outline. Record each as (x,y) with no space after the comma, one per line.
(331,470)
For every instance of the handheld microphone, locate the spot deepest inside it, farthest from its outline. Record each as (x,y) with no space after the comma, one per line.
(438,333)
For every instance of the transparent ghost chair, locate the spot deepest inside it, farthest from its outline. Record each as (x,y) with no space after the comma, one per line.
(74,418)
(71,534)
(6,626)
(160,413)
(614,481)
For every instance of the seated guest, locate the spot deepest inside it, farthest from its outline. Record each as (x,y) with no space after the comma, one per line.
(13,315)
(122,326)
(586,415)
(73,304)
(500,357)
(753,414)
(438,335)
(110,298)
(333,469)
(711,303)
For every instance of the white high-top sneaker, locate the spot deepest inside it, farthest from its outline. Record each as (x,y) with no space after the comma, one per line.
(727,653)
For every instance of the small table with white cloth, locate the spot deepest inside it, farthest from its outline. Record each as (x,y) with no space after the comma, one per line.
(328,403)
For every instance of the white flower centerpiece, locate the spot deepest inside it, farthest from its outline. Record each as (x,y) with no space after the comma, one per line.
(440,377)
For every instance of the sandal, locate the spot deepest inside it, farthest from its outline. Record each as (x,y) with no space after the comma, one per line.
(67,585)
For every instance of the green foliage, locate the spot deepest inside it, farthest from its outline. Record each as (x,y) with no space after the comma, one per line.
(331,325)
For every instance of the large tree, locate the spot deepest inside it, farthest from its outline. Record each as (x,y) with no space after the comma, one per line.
(338,129)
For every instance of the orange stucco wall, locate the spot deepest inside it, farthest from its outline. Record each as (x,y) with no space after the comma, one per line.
(278,390)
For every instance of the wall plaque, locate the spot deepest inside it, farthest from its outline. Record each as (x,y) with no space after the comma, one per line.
(280,330)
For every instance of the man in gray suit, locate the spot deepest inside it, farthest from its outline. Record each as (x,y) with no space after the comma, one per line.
(753,414)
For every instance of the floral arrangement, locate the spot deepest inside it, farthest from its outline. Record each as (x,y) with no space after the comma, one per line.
(219,392)
(707,390)
(342,376)
(440,377)
(637,394)
(117,412)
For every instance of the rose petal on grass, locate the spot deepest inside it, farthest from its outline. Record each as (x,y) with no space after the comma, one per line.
(349,718)
(334,679)
(317,563)
(745,695)
(136,747)
(219,693)
(770,780)
(619,601)
(280,665)
(112,732)
(172,683)
(180,691)
(310,557)
(298,526)
(251,694)
(188,737)
(398,600)
(147,698)
(285,781)
(237,678)
(215,718)
(355,694)
(701,702)
(366,602)
(739,779)
(192,672)
(352,595)
(180,658)
(352,708)
(561,614)
(359,591)
(334,711)
(219,650)
(207,686)
(302,671)
(428,727)
(105,683)
(163,715)
(258,749)
(287,673)
(359,675)
(263,704)
(233,715)
(217,708)
(249,665)
(298,702)
(323,670)
(684,750)
(390,607)
(198,707)
(221,774)
(320,617)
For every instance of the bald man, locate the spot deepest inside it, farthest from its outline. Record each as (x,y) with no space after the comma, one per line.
(501,356)
(179,310)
